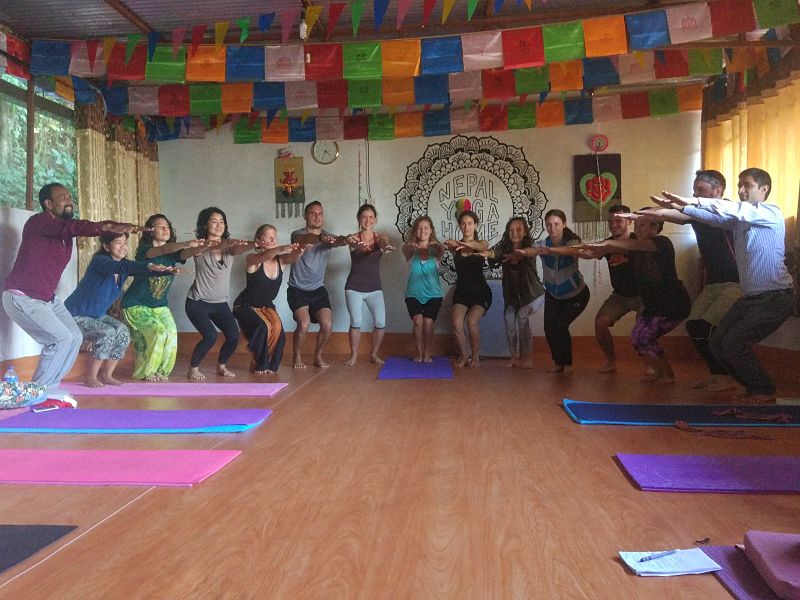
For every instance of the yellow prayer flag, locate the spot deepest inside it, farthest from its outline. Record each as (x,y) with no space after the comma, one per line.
(220,31)
(64,88)
(690,97)
(108,46)
(312,16)
(220,121)
(446,8)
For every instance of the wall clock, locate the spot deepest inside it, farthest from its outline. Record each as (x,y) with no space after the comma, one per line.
(325,151)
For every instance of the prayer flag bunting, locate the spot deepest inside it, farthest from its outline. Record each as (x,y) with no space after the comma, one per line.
(130,45)
(356,127)
(198,33)
(498,83)
(400,58)
(301,95)
(635,105)
(324,61)
(133,70)
(729,17)
(690,97)
(464,120)
(378,12)
(402,11)
(244,63)
(64,88)
(441,55)
(598,72)
(329,128)
(302,131)
(447,6)
(237,97)
(482,50)
(605,36)
(245,132)
(166,68)
(269,95)
(705,61)
(84,94)
(205,99)
(362,93)
(663,102)
(207,64)
(774,13)
(741,60)
(431,89)
(398,91)
(334,12)
(116,98)
(50,58)
(522,116)
(381,127)
(636,68)
(276,132)
(332,94)
(244,28)
(647,30)
(523,48)
(362,60)
(493,118)
(563,41)
(427,9)
(356,10)
(550,114)
(565,76)
(465,86)
(285,63)
(578,111)
(265,21)
(436,122)
(533,80)
(471,6)
(408,124)
(606,108)
(177,39)
(152,42)
(675,63)
(143,100)
(689,22)
(81,66)
(289,18)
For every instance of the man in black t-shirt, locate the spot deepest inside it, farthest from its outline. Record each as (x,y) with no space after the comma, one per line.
(625,297)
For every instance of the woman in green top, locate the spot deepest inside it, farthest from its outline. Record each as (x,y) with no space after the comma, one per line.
(145,303)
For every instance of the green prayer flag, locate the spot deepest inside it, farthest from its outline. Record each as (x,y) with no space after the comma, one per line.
(774,13)
(356,10)
(522,116)
(533,80)
(705,61)
(130,46)
(164,68)
(563,41)
(283,114)
(663,102)
(381,127)
(362,93)
(245,133)
(244,25)
(471,6)
(362,60)
(129,123)
(205,99)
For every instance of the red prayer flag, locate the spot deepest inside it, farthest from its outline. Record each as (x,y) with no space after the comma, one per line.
(332,94)
(173,100)
(523,48)
(635,105)
(427,9)
(91,52)
(133,70)
(356,127)
(323,61)
(731,16)
(499,83)
(675,64)
(493,118)
(334,12)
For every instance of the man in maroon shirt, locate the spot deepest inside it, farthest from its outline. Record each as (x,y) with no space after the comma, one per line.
(29,292)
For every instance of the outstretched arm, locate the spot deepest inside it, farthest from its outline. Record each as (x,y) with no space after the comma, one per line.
(266,254)
(173,248)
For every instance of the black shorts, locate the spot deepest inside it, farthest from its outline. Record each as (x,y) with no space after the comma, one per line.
(429,310)
(315,300)
(471,296)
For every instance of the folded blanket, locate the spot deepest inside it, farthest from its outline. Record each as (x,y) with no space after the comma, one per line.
(776,557)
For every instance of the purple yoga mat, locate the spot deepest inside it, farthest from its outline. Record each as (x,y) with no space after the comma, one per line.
(170,389)
(69,420)
(726,474)
(397,367)
(738,574)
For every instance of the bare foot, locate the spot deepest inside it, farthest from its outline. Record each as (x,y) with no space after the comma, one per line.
(417,359)
(462,361)
(701,385)
(94,383)
(351,361)
(162,377)
(264,372)
(194,373)
(527,364)
(427,358)
(555,369)
(650,378)
(111,381)
(609,367)
(511,363)
(475,362)
(722,385)
(225,371)
(748,398)
(318,362)
(376,359)
(153,377)
(298,363)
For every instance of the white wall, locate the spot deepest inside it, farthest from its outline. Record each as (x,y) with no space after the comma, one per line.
(14,342)
(656,154)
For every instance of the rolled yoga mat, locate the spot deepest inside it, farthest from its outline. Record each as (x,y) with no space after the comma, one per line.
(170,389)
(723,474)
(20,542)
(603,413)
(738,574)
(169,468)
(397,367)
(67,420)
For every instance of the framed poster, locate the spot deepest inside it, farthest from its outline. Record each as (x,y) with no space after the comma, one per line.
(290,190)
(597,185)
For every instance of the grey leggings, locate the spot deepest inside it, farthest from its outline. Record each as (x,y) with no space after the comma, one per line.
(110,338)
(519,326)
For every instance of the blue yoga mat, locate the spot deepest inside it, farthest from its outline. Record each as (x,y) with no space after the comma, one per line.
(404,368)
(19,542)
(75,420)
(601,413)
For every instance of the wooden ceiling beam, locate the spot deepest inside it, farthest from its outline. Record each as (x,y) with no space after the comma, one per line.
(129,15)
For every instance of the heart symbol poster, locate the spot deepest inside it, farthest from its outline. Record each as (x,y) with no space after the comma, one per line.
(597,185)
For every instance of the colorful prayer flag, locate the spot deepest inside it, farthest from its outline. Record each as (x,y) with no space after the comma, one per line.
(605,36)
(482,50)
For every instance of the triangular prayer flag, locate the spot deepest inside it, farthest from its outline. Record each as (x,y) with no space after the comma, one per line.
(334,12)
(235,119)
(152,42)
(447,6)
(108,46)
(378,12)
(427,10)
(528,4)
(402,11)
(304,115)
(91,52)
(312,16)
(356,10)
(220,31)
(244,27)
(253,117)
(198,32)
(177,39)
(130,46)
(265,21)
(283,114)
(271,115)
(498,4)
(220,120)
(289,17)
(170,122)
(471,6)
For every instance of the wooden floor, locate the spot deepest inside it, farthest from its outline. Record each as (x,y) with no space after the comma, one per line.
(478,488)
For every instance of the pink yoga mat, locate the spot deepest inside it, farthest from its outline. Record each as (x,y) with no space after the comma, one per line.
(178,468)
(170,389)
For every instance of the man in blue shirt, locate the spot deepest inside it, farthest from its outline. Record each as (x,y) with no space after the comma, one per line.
(758,233)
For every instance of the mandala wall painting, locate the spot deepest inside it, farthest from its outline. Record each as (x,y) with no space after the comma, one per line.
(493,179)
